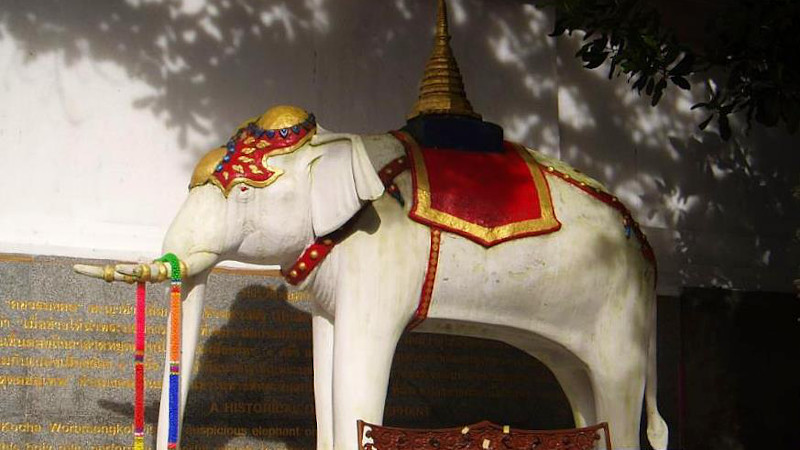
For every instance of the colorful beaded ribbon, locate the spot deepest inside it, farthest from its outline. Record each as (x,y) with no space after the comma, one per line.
(174,348)
(174,356)
(138,363)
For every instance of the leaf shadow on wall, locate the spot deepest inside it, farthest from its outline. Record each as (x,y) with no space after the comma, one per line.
(201,58)
(717,213)
(213,64)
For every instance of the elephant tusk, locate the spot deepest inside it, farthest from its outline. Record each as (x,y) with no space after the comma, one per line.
(130,273)
(89,271)
(107,273)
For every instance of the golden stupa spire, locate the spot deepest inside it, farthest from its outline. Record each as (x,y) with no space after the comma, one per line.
(442,90)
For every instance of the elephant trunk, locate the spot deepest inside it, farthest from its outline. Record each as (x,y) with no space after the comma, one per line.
(196,236)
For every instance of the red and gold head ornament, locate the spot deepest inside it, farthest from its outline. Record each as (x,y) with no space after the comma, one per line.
(243,159)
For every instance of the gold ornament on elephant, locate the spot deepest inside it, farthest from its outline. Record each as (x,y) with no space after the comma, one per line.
(244,158)
(143,272)
(442,89)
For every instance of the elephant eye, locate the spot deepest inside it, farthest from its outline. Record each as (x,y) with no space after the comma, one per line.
(245,194)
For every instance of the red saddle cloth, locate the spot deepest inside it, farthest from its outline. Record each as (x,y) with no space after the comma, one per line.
(487,197)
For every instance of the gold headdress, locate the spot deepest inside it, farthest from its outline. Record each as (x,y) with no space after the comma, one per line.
(281,130)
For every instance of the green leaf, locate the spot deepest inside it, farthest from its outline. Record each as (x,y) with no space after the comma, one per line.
(639,84)
(752,46)
(702,125)
(594,60)
(612,67)
(656,97)
(684,67)
(681,82)
(658,91)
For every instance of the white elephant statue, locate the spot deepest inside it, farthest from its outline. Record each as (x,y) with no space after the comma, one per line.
(581,299)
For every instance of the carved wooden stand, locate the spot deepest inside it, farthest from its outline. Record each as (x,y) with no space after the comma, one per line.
(483,436)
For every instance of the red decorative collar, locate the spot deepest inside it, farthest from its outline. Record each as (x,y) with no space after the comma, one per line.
(308,261)
(316,252)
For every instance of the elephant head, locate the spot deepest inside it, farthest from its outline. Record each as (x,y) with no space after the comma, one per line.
(280,181)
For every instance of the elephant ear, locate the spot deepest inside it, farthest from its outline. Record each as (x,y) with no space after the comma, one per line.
(342,178)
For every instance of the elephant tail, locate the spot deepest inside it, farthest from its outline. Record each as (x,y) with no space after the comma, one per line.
(657,431)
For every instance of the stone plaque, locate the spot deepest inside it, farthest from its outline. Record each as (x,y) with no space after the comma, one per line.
(66,367)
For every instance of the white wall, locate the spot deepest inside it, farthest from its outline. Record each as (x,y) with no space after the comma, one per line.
(105,107)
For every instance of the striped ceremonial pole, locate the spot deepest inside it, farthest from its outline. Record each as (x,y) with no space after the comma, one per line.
(174,355)
(138,363)
(174,349)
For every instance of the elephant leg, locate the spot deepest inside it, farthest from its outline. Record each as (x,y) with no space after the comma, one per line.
(578,389)
(191,316)
(618,394)
(657,430)
(367,331)
(322,326)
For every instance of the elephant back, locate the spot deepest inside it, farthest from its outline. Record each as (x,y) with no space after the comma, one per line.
(494,197)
